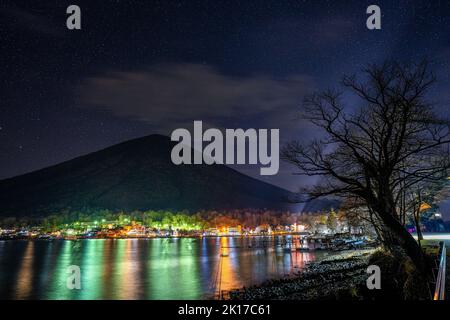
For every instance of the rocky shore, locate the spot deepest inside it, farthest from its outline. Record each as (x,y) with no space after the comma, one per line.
(336,277)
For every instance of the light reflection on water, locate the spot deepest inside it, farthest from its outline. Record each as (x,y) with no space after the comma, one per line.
(143,269)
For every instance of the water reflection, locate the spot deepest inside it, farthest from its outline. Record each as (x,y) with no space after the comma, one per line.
(144,269)
(25,273)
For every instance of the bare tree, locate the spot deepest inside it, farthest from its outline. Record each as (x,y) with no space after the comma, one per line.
(390,140)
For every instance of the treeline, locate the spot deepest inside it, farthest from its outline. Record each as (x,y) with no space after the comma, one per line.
(162,219)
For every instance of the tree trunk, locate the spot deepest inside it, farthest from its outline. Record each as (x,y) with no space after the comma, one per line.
(397,234)
(404,239)
(417,223)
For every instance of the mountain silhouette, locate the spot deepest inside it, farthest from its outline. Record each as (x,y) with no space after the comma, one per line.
(321,205)
(135,175)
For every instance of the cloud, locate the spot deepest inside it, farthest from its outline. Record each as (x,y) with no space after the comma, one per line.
(170,95)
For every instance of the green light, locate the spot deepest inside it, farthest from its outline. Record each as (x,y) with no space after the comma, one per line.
(92,265)
(169,259)
(59,275)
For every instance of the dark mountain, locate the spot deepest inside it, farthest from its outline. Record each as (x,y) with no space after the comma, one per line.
(321,205)
(135,175)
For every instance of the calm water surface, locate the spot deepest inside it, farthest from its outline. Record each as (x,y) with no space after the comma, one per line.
(143,269)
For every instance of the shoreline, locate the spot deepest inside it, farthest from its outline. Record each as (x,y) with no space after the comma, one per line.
(341,276)
(159,237)
(318,280)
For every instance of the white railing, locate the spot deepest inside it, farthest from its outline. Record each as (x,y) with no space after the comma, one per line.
(439,292)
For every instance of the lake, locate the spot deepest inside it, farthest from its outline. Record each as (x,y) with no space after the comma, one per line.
(170,268)
(434,238)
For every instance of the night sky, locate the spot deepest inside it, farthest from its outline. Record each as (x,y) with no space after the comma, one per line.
(142,67)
